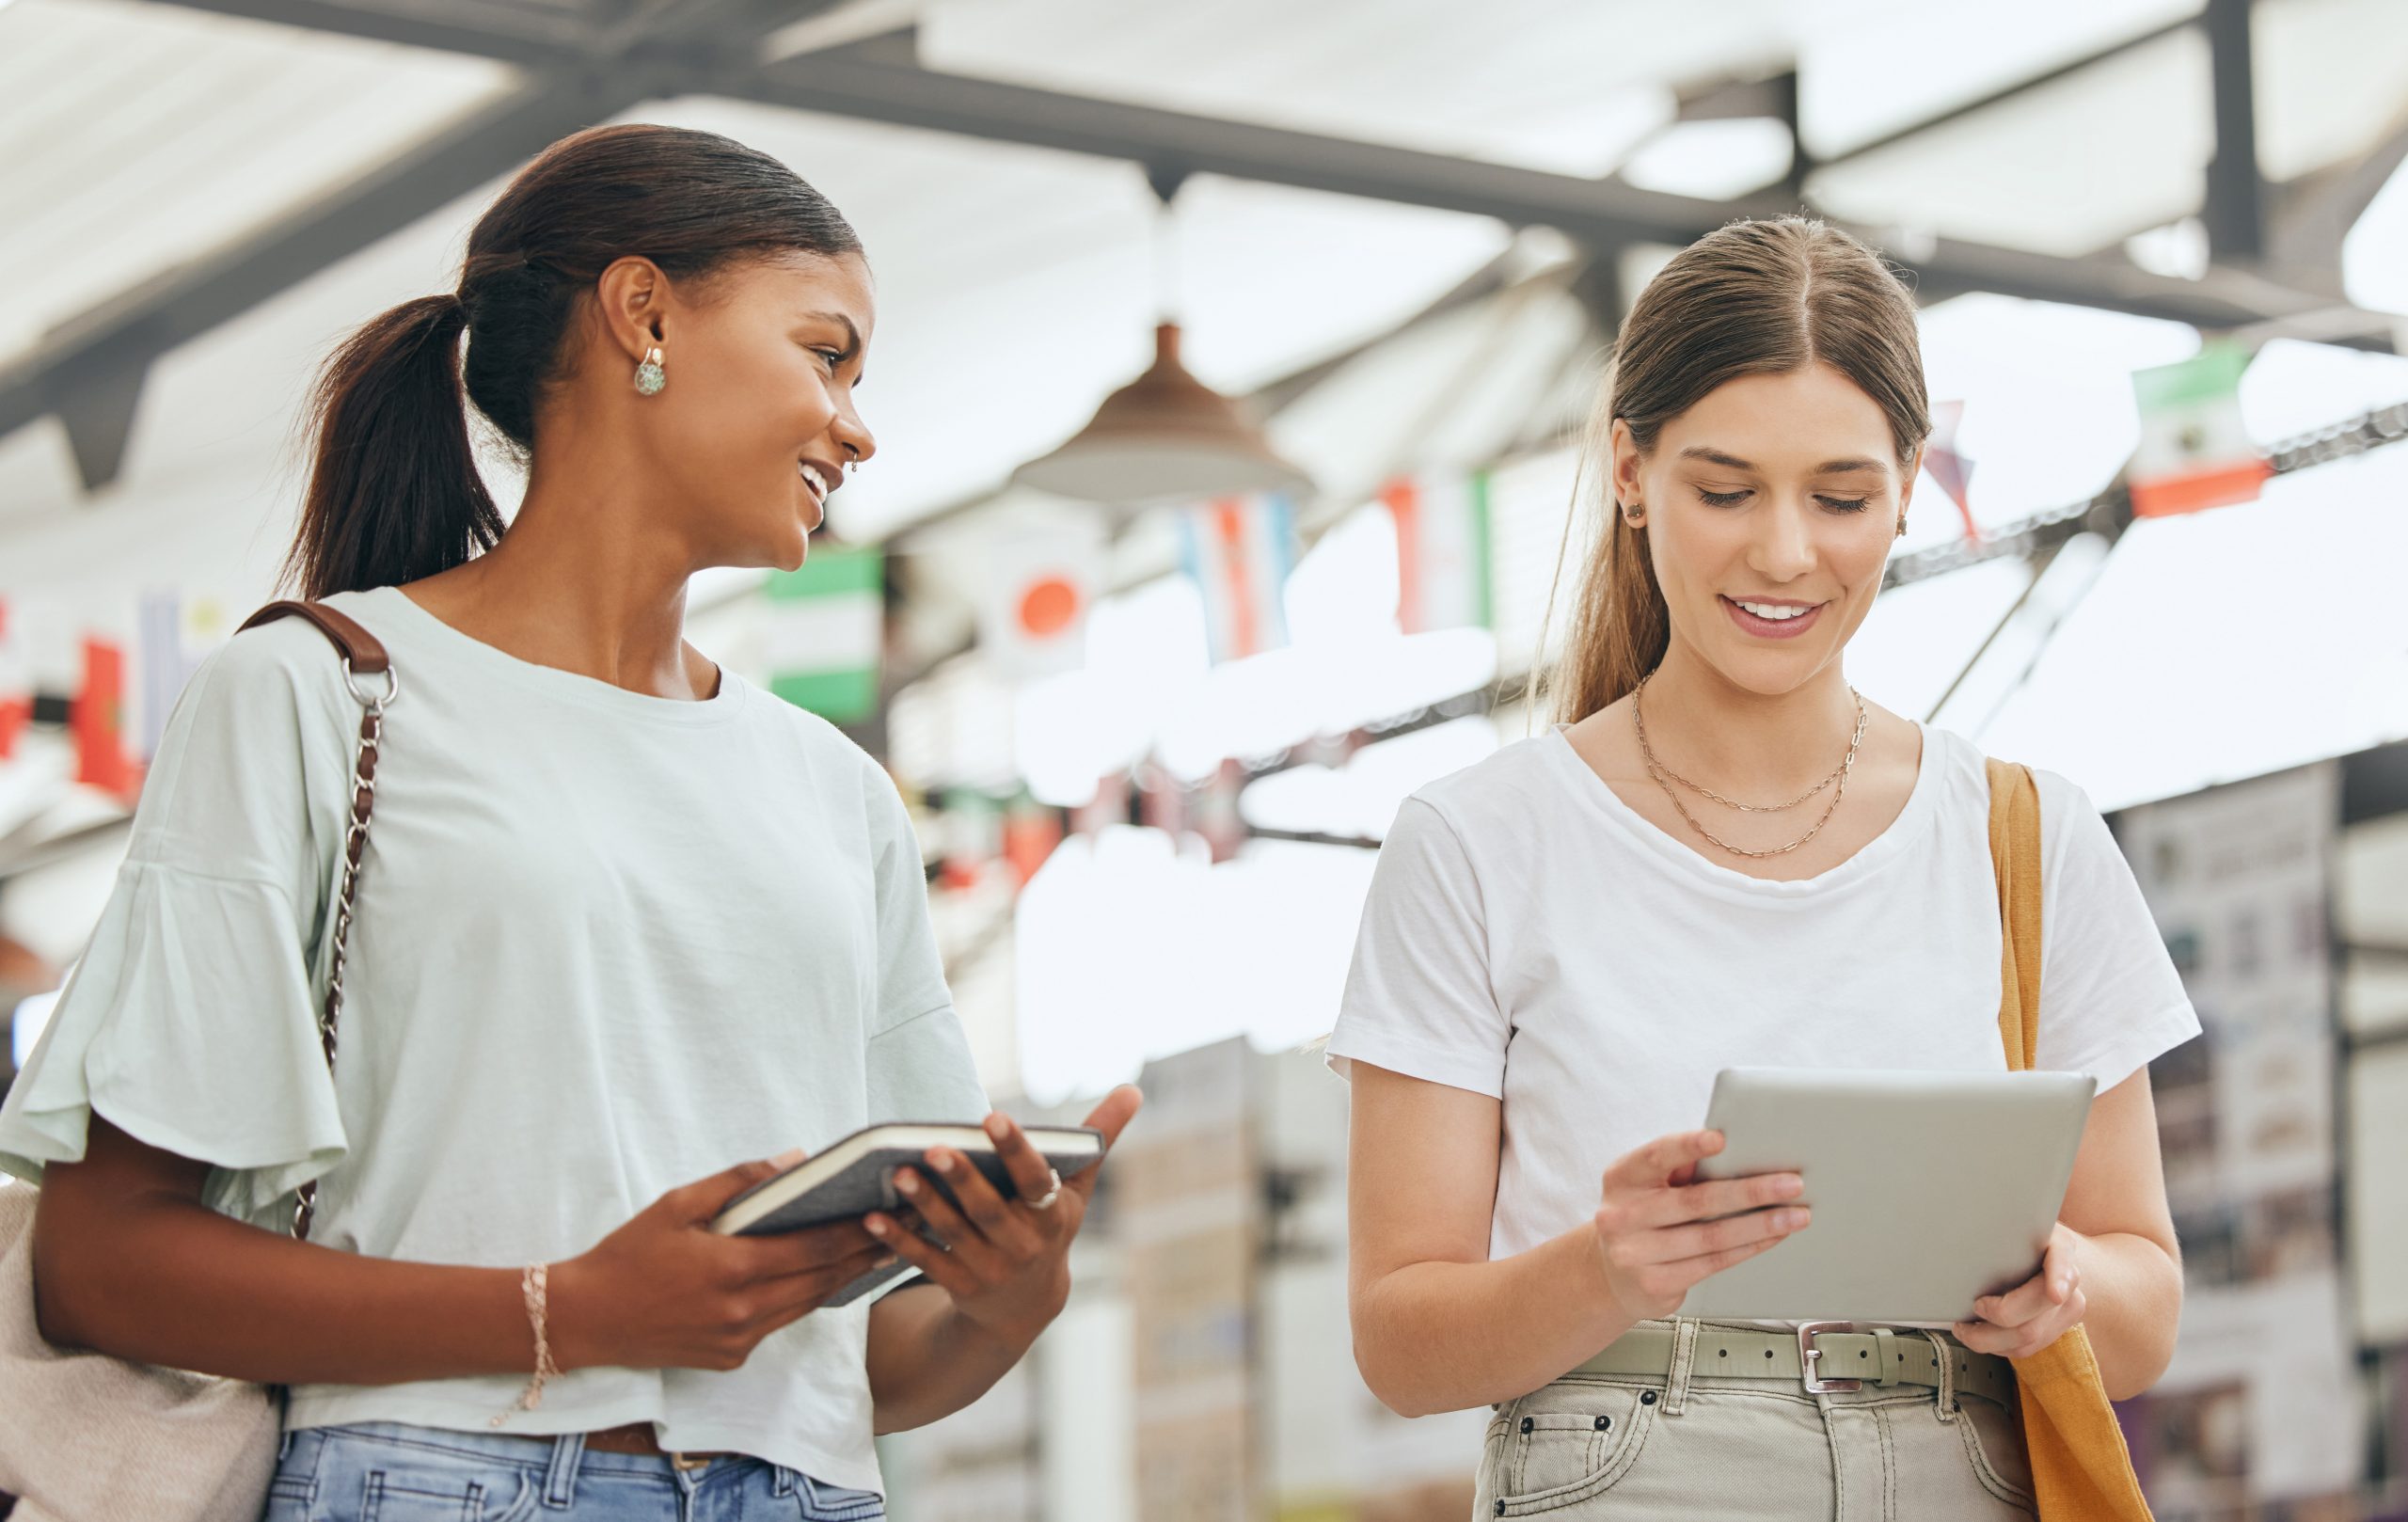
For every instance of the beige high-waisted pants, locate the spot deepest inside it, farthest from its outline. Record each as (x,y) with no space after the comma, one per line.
(1694,1445)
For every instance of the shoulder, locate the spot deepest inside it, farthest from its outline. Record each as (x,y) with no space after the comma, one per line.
(278,667)
(833,757)
(2071,827)
(1498,799)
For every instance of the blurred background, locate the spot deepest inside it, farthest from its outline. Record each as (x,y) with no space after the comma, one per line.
(1155,672)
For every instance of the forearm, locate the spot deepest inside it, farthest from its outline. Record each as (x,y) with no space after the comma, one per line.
(928,1360)
(173,1282)
(1436,1336)
(2132,1297)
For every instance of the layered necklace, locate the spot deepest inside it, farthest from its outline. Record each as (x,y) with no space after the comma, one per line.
(1665,776)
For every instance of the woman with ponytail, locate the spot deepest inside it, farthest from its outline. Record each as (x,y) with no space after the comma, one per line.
(1720,854)
(626,927)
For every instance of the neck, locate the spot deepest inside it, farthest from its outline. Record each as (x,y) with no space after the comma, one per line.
(589,580)
(1756,745)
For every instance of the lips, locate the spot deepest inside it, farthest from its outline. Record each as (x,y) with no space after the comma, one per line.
(1767,628)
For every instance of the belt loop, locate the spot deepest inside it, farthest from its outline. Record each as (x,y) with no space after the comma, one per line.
(1886,1349)
(560,1480)
(1944,1405)
(1684,1360)
(284,1445)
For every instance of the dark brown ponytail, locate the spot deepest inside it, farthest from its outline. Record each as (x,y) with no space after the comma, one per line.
(394,494)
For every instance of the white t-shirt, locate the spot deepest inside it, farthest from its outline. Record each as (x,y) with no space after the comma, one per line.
(605,944)
(1531,937)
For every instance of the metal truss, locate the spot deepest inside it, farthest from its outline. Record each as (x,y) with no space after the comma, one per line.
(584,65)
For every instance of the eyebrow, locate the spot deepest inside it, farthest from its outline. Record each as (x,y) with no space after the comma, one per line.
(1855,463)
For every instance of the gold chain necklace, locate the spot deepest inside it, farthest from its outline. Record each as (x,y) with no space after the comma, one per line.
(1658,771)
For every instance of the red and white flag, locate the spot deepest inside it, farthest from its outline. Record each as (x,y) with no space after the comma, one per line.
(1037,587)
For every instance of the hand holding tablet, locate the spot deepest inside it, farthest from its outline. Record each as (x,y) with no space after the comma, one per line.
(1930,1190)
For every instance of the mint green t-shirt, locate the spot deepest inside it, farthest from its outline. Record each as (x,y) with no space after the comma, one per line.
(605,944)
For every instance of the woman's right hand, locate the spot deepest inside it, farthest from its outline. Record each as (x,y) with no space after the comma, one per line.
(665,1291)
(1656,1237)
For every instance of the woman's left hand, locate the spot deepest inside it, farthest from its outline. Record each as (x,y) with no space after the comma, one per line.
(1004,1261)
(2037,1313)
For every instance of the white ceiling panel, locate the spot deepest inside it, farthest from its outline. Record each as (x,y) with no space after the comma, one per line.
(135,136)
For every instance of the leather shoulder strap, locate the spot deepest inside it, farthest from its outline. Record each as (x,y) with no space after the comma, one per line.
(363,653)
(361,648)
(2015,858)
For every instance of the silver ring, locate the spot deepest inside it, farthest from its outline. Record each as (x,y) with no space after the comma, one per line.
(1045,1201)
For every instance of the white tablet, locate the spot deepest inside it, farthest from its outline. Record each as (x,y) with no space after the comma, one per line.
(1930,1189)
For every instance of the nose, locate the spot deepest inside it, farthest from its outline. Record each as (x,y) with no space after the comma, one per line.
(852,435)
(1783,546)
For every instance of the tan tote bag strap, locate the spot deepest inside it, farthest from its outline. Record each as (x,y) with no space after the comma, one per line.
(2015,857)
(2081,1471)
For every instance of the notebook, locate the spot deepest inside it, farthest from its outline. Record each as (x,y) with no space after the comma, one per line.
(855,1175)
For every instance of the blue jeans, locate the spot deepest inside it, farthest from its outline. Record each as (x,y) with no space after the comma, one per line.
(393,1471)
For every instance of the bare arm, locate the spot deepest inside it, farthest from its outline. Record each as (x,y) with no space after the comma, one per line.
(2114,1243)
(128,1261)
(1439,1326)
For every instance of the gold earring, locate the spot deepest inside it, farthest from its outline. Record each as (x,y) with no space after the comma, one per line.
(650,377)
(1902,526)
(1636,512)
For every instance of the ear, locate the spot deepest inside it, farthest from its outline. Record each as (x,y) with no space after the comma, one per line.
(1914,473)
(1624,464)
(633,296)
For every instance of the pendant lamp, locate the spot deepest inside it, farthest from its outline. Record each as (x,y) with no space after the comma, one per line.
(1165,436)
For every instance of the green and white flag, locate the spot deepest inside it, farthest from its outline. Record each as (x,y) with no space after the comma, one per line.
(2194,449)
(826,632)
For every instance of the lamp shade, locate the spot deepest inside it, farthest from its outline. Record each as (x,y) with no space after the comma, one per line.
(1163,438)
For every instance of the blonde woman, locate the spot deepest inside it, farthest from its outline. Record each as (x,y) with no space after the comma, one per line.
(1723,855)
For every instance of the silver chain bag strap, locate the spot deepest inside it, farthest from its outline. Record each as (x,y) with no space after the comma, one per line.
(87,1437)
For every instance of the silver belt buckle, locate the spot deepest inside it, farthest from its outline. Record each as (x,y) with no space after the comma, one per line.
(1809,1355)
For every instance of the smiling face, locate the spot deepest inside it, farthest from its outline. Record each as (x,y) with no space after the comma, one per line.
(1769,508)
(757,419)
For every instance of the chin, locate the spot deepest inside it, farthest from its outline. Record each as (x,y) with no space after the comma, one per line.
(1768,674)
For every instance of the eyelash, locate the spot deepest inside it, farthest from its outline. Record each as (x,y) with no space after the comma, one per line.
(1837,505)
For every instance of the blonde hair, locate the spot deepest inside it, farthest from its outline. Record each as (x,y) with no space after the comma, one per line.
(1770,295)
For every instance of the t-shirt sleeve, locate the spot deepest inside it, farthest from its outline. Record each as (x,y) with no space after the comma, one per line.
(2111,999)
(190,1021)
(920,1066)
(1418,1000)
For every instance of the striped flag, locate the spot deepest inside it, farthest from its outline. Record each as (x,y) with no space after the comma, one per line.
(1442,551)
(2195,449)
(16,688)
(1239,551)
(826,632)
(1946,465)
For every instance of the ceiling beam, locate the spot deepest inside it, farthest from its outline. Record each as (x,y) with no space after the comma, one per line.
(2235,212)
(712,46)
(507,34)
(1600,213)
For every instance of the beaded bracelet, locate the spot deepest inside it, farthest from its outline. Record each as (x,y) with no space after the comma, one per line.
(531,1283)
